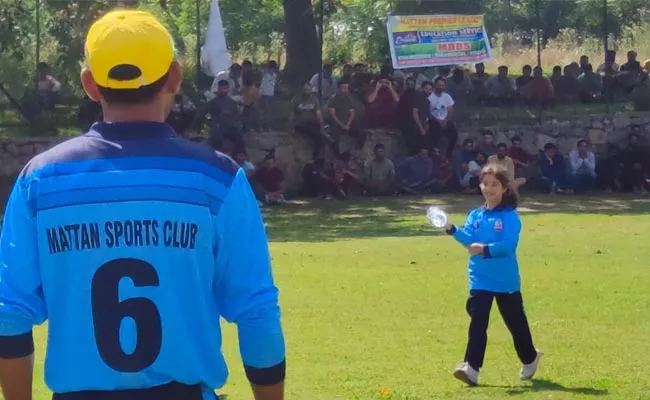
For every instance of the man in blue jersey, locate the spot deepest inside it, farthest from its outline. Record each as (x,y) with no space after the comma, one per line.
(132,243)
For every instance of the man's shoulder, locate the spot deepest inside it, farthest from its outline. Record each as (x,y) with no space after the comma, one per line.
(86,148)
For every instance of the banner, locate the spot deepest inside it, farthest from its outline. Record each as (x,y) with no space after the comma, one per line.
(214,53)
(432,40)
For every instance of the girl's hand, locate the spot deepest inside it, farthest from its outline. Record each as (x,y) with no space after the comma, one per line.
(476,249)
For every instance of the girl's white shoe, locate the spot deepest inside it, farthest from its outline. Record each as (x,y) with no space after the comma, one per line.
(463,372)
(528,370)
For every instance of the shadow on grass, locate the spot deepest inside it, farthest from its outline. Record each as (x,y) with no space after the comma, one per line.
(319,220)
(543,385)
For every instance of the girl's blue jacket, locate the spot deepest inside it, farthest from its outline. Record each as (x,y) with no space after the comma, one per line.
(496,270)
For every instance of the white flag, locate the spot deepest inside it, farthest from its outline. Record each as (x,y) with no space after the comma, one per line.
(214,53)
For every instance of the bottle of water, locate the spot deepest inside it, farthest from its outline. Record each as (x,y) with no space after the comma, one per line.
(437,217)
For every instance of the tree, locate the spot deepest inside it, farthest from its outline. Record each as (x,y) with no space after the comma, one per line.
(303,45)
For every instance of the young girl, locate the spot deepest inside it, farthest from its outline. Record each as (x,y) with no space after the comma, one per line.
(491,235)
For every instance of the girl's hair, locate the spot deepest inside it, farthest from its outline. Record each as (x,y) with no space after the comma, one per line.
(510,196)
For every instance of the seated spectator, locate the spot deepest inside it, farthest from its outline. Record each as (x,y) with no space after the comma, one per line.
(567,89)
(641,94)
(584,60)
(501,158)
(478,92)
(349,179)
(415,174)
(307,119)
(241,158)
(319,181)
(381,104)
(635,163)
(380,174)
(269,181)
(630,72)
(553,179)
(524,162)
(591,85)
(470,181)
(458,86)
(526,76)
(488,147)
(501,90)
(539,91)
(583,167)
(442,177)
(462,157)
(610,170)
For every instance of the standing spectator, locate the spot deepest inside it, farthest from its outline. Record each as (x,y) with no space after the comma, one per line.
(380,174)
(226,118)
(307,119)
(419,136)
(381,104)
(267,90)
(327,80)
(182,114)
(408,102)
(488,146)
(342,113)
(269,181)
(583,167)
(458,86)
(553,170)
(233,76)
(441,108)
(250,100)
(609,67)
(48,87)
(526,76)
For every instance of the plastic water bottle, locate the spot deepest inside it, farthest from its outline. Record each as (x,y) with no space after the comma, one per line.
(437,217)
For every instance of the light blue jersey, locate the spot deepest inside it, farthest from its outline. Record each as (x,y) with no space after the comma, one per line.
(496,270)
(132,243)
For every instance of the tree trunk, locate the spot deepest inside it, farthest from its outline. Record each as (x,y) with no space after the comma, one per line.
(303,45)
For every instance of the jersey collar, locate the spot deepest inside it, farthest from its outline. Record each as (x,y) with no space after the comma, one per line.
(131,130)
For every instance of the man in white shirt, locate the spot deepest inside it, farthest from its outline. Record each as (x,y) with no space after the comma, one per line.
(583,167)
(441,108)
(234,77)
(329,85)
(267,90)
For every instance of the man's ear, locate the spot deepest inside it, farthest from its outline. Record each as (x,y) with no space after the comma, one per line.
(89,85)
(174,78)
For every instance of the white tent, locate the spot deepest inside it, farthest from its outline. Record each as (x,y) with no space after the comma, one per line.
(214,53)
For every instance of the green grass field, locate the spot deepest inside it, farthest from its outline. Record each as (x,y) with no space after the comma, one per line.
(373,302)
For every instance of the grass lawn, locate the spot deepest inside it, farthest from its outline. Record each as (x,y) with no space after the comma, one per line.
(373,302)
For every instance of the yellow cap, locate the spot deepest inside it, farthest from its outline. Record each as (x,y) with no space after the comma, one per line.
(128,49)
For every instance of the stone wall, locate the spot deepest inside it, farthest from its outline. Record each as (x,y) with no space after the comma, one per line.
(294,151)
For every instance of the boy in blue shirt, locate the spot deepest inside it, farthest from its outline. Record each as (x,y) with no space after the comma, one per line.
(491,234)
(133,242)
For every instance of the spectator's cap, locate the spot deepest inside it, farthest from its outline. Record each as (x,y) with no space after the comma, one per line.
(128,49)
(549,146)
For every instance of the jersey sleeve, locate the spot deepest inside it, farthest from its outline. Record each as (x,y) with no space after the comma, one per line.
(21,296)
(463,235)
(246,293)
(509,238)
